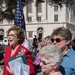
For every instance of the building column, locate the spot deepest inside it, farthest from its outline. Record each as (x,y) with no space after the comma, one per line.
(25,13)
(35,11)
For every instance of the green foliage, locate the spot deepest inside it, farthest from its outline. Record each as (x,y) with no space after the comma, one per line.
(9,12)
(39,1)
(59,2)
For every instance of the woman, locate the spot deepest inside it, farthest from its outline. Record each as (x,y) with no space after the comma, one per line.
(15,48)
(47,40)
(62,37)
(50,57)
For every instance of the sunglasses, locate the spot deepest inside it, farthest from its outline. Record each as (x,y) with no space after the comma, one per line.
(43,62)
(57,40)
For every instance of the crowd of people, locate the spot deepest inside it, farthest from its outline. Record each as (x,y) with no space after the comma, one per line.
(55,54)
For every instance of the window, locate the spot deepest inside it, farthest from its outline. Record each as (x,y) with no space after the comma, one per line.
(55,8)
(39,7)
(30,34)
(1,37)
(29,8)
(1,31)
(1,21)
(29,19)
(55,17)
(39,18)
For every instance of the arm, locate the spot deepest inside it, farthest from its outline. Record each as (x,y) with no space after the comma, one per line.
(5,72)
(30,62)
(6,57)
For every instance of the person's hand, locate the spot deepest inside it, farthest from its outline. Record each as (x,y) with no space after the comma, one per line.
(11,71)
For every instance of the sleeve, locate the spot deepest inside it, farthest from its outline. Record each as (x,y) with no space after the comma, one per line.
(6,55)
(36,62)
(5,72)
(30,62)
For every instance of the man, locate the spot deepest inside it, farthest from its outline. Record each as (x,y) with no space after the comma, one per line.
(35,42)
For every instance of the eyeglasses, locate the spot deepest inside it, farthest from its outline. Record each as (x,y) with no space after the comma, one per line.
(44,63)
(57,40)
(11,35)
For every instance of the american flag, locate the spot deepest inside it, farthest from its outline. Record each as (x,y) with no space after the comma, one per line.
(19,16)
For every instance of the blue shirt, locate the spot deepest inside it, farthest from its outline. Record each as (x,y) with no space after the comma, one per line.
(67,67)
